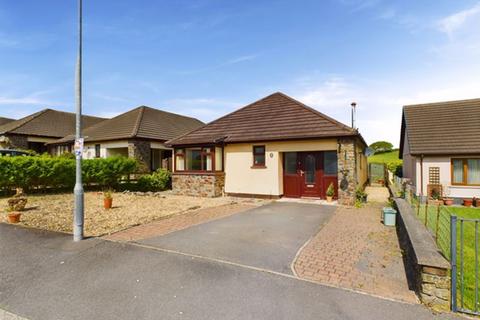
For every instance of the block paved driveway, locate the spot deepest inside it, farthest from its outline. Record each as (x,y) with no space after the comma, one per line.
(266,237)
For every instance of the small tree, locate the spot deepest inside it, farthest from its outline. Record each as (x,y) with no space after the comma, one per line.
(381,146)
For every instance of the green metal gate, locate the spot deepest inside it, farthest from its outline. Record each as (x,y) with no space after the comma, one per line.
(377,173)
(464,259)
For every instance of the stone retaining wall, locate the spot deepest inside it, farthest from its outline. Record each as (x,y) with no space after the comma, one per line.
(198,184)
(430,271)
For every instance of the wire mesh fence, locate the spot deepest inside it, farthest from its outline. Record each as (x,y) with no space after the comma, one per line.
(465,246)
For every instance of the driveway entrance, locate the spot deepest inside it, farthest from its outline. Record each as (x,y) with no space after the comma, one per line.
(267,237)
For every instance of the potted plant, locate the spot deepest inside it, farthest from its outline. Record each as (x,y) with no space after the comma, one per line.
(476,202)
(107,199)
(16,204)
(13,216)
(330,192)
(361,195)
(446,199)
(436,198)
(467,202)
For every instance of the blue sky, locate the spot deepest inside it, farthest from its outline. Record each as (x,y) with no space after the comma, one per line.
(205,58)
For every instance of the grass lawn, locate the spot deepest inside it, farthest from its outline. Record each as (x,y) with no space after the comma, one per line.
(385,157)
(468,255)
(443,241)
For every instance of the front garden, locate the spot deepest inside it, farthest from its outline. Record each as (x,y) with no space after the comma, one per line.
(54,212)
(116,196)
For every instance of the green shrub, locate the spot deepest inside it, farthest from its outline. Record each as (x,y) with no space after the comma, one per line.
(59,172)
(160,180)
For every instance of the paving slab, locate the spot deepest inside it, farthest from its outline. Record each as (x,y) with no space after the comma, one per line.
(265,237)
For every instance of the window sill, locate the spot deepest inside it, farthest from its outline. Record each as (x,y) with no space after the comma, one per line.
(465,186)
(258,167)
(198,173)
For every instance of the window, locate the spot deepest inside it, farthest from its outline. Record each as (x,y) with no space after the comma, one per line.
(259,156)
(290,162)
(218,159)
(97,151)
(198,159)
(310,168)
(330,163)
(179,160)
(466,172)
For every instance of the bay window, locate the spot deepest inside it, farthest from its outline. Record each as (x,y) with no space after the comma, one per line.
(199,159)
(466,172)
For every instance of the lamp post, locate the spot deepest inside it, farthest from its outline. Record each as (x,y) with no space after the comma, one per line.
(78,190)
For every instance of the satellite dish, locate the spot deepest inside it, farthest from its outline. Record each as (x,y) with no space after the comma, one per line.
(369,152)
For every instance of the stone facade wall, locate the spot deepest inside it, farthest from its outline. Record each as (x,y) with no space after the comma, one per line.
(347,175)
(140,150)
(17,142)
(201,185)
(434,287)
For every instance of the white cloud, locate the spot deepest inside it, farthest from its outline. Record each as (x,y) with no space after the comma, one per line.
(233,61)
(380,103)
(456,21)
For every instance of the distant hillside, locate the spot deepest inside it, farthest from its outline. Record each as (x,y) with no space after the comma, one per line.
(392,160)
(385,157)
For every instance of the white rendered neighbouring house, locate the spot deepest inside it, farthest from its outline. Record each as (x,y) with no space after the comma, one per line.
(440,146)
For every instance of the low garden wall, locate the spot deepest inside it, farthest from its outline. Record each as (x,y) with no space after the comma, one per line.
(431,271)
(199,184)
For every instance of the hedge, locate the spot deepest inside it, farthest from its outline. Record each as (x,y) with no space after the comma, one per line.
(159,180)
(59,172)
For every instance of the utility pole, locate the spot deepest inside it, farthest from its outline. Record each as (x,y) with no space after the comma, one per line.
(78,190)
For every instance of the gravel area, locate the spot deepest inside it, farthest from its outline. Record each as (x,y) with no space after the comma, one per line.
(55,212)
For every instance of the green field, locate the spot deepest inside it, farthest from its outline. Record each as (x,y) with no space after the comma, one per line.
(385,157)
(394,164)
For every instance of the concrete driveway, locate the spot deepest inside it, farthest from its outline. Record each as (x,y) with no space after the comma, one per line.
(266,237)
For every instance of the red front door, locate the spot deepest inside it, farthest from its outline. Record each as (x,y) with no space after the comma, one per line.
(307,175)
(310,170)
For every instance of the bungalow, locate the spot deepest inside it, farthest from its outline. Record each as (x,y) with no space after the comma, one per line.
(271,148)
(440,148)
(139,133)
(5,120)
(36,130)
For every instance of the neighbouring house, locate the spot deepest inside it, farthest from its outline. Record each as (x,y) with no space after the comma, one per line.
(35,131)
(139,133)
(271,148)
(440,148)
(5,120)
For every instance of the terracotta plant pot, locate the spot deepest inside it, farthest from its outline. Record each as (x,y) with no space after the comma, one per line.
(477,203)
(107,203)
(329,198)
(14,217)
(467,202)
(448,201)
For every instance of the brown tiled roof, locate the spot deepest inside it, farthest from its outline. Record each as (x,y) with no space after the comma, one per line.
(5,121)
(275,117)
(142,122)
(451,127)
(47,123)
